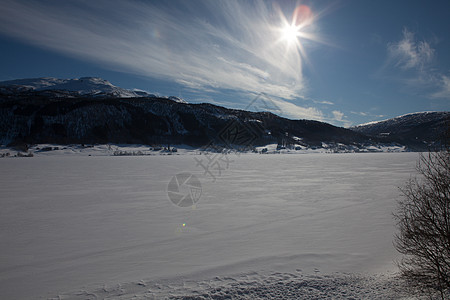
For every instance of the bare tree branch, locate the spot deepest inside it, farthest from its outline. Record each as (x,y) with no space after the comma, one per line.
(423,222)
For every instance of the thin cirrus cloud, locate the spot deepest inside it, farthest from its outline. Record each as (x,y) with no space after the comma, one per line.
(340,118)
(444,88)
(413,59)
(293,111)
(410,54)
(366,114)
(201,45)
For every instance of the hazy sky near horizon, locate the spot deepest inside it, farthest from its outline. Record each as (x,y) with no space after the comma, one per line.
(344,62)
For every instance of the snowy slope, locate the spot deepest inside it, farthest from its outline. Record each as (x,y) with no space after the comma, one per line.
(92,86)
(421,129)
(79,227)
(84,86)
(176,99)
(402,123)
(33,112)
(403,120)
(33,83)
(43,117)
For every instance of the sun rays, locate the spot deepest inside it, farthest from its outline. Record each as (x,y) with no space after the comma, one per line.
(292,31)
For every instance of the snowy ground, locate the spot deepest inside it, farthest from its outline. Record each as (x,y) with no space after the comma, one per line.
(146,150)
(309,226)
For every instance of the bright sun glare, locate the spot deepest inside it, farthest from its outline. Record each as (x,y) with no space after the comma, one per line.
(290,33)
(293,31)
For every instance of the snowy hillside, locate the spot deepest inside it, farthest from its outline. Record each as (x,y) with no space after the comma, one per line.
(404,120)
(62,111)
(83,86)
(423,128)
(38,113)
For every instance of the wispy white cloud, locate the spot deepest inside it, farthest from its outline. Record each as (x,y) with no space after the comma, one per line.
(360,113)
(409,53)
(263,102)
(317,101)
(338,115)
(293,111)
(366,114)
(411,62)
(201,45)
(444,88)
(340,118)
(323,102)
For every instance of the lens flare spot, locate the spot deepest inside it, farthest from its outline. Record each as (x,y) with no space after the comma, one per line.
(302,16)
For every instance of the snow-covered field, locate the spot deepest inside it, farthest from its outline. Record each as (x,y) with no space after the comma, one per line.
(146,150)
(310,226)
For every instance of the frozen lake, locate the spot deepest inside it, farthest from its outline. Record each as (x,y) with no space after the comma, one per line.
(76,222)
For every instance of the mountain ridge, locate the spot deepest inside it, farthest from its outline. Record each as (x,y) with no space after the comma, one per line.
(397,117)
(50,110)
(91,86)
(413,129)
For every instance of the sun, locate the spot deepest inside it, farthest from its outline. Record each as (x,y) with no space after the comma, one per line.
(290,33)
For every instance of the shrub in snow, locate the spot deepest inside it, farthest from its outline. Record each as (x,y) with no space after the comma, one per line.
(423,220)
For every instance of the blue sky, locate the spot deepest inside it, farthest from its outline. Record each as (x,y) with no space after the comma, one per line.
(344,62)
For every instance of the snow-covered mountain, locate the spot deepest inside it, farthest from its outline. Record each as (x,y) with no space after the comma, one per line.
(176,99)
(85,86)
(404,120)
(421,128)
(92,110)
